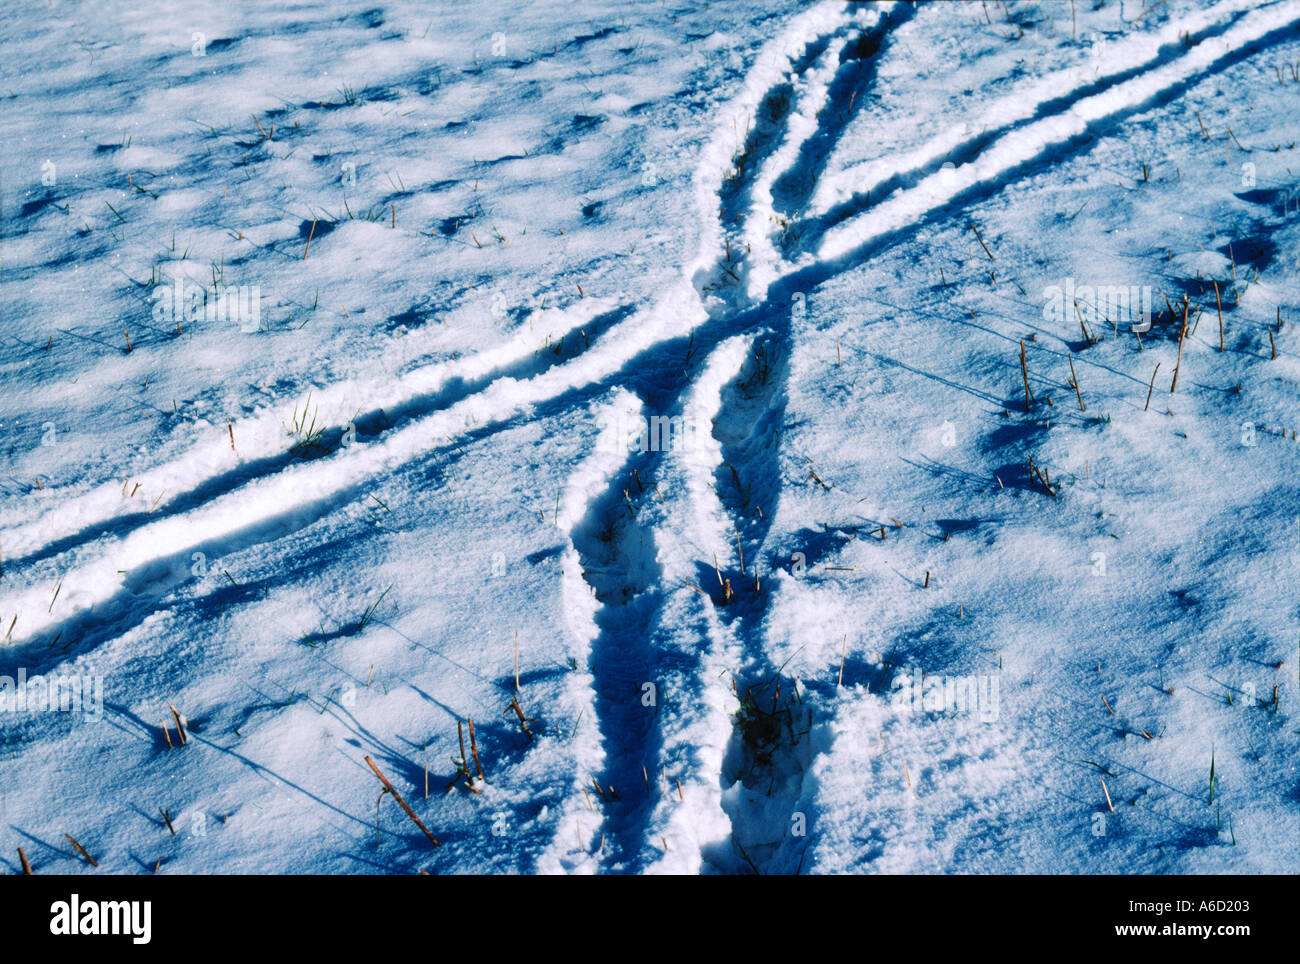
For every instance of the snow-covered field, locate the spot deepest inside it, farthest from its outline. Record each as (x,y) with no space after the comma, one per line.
(820,438)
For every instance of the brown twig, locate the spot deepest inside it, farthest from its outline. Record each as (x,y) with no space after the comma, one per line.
(1151,387)
(473,745)
(81,850)
(1178,366)
(1024,370)
(401,803)
(179,729)
(523,720)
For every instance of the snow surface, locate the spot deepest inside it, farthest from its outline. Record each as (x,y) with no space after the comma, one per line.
(681,344)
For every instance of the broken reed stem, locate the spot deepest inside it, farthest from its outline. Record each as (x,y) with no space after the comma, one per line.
(1046,483)
(1218,303)
(180,730)
(1272,346)
(27,868)
(519,712)
(1024,371)
(401,803)
(473,745)
(1107,792)
(981,241)
(1178,366)
(81,850)
(1074,380)
(460,735)
(1151,387)
(1087,338)
(740,549)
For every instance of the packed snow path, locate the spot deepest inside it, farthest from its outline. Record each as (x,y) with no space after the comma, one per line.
(693,422)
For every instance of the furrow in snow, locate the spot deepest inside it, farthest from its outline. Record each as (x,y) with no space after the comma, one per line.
(264,443)
(811,90)
(1043,139)
(575,847)
(855,187)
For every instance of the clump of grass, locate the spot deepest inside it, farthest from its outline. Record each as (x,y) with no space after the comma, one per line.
(370,611)
(759,729)
(308,434)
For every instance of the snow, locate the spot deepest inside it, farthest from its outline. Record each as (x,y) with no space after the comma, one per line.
(653,373)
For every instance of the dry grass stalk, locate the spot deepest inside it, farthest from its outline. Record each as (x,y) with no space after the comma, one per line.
(1179,364)
(1218,304)
(473,746)
(310,235)
(1024,371)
